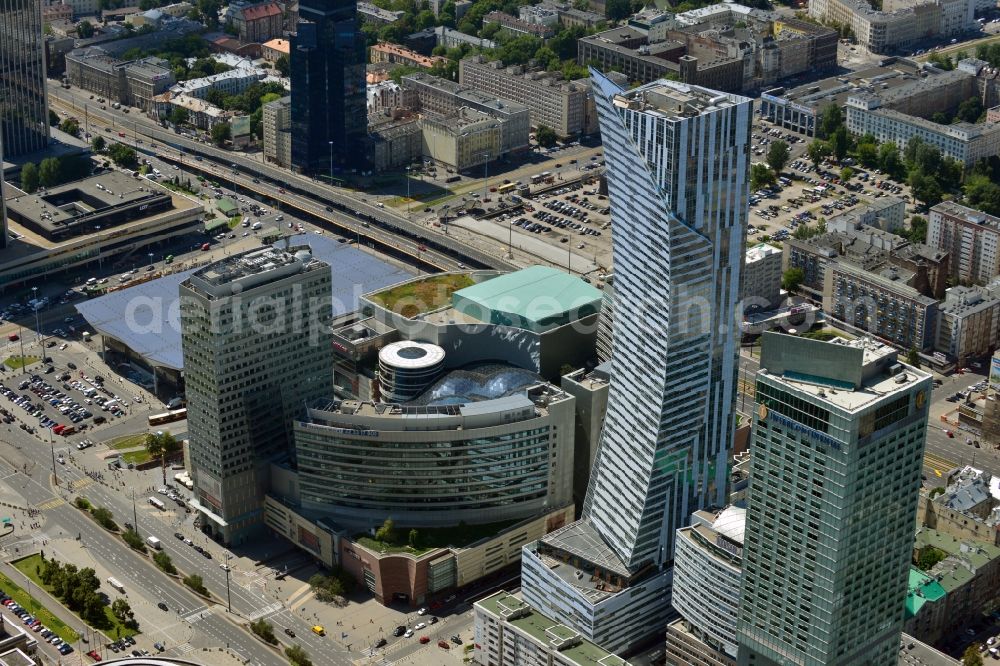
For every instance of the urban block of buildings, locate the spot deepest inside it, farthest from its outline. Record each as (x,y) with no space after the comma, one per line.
(133,82)
(512,25)
(762,277)
(899,23)
(894,102)
(424,41)
(838,436)
(560,13)
(369,13)
(565,106)
(275,48)
(726,46)
(400,55)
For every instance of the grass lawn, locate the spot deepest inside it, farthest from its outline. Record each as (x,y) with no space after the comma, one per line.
(115,628)
(128,441)
(51,622)
(17,362)
(414,298)
(137,457)
(234,221)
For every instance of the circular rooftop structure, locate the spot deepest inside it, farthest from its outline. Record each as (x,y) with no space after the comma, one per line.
(406,368)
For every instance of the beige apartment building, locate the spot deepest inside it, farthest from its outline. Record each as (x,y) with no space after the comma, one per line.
(971,237)
(464,139)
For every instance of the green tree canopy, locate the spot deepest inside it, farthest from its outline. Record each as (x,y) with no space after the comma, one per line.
(980,193)
(221,133)
(545,136)
(98,144)
(29,177)
(283,65)
(818,150)
(777,155)
(85,29)
(760,176)
(792,279)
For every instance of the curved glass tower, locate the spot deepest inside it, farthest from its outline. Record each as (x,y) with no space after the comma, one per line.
(678,175)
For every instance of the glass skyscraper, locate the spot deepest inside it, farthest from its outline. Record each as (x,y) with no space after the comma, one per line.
(835,460)
(24,113)
(678,166)
(329,108)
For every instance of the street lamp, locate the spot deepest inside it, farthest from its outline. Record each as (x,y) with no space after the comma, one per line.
(38,326)
(229,599)
(331,163)
(409,202)
(52,446)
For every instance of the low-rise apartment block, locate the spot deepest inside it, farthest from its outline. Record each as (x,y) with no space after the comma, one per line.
(508,632)
(233,82)
(565,106)
(970,236)
(400,55)
(425,40)
(965,510)
(273,49)
(553,13)
(259,23)
(462,139)
(369,13)
(512,25)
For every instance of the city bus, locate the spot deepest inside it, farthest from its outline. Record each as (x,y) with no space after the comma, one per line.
(506,187)
(168,417)
(158,504)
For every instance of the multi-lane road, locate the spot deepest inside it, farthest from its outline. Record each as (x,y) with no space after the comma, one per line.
(136,126)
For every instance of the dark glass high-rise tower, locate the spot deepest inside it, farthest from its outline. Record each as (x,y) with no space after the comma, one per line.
(329,112)
(24,112)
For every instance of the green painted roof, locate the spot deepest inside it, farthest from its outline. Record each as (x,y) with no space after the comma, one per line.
(964,557)
(227,206)
(922,588)
(547,632)
(536,298)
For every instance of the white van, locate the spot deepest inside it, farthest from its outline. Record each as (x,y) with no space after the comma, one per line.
(256,226)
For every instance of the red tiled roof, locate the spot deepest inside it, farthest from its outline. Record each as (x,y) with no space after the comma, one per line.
(261,11)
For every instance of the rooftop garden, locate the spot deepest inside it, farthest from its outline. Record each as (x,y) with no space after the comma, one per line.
(417,541)
(419,296)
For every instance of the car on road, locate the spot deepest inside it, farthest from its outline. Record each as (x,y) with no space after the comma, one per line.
(422,611)
(409,633)
(399,631)
(380,643)
(319,630)
(444,645)
(289,632)
(159,647)
(456,640)
(425,639)
(162,606)
(420,625)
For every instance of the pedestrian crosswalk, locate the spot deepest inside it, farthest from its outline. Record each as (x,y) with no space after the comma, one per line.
(196,615)
(80,483)
(184,648)
(266,610)
(51,504)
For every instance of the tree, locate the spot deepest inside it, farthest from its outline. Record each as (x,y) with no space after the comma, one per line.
(414,539)
(970,109)
(616,10)
(282,65)
(777,156)
(299,657)
(831,119)
(818,151)
(84,29)
(264,629)
(221,133)
(545,136)
(163,561)
(134,541)
(178,115)
(327,588)
(925,188)
(980,192)
(888,159)
(71,126)
(123,611)
(104,518)
(840,143)
(867,154)
(971,656)
(917,233)
(49,173)
(846,174)
(53,117)
(791,279)
(98,144)
(195,582)
(29,177)
(123,156)
(386,533)
(760,176)
(913,358)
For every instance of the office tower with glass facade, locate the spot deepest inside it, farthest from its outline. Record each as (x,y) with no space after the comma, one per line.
(678,165)
(24,113)
(329,103)
(836,457)
(256,343)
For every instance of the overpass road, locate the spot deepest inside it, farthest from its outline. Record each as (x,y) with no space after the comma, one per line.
(347,202)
